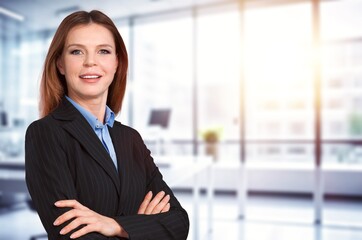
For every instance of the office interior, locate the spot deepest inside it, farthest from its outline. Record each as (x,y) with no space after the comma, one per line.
(251,108)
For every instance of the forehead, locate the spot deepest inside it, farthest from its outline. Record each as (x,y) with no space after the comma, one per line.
(90,34)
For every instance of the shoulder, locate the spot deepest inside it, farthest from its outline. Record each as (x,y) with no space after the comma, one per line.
(46,126)
(127,130)
(62,114)
(42,123)
(130,138)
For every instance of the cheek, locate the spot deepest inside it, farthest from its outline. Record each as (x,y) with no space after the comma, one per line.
(73,64)
(111,66)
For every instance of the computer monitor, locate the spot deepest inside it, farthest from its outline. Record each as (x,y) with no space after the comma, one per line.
(160,117)
(3,119)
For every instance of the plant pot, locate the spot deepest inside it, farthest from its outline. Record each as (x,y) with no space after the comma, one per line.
(212,149)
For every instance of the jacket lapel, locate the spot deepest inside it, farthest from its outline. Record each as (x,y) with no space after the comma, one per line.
(80,129)
(123,148)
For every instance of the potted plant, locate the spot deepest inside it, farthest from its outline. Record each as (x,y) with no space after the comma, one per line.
(211,137)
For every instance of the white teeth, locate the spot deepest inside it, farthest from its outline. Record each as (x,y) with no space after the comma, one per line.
(90,76)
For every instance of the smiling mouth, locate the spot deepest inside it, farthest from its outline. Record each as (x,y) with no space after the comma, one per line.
(89,76)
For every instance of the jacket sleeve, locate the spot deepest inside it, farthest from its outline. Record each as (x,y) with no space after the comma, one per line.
(48,176)
(173,224)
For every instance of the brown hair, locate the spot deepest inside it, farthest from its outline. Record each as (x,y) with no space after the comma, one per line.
(53,86)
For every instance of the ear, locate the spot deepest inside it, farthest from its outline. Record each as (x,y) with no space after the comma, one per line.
(60,65)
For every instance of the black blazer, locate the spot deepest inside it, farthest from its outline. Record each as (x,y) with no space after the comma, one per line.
(64,159)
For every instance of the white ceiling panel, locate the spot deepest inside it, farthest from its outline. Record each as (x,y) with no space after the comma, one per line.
(45,14)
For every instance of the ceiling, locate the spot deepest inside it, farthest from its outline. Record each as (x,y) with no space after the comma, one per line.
(45,14)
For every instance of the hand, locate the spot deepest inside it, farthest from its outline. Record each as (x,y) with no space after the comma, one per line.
(160,203)
(84,216)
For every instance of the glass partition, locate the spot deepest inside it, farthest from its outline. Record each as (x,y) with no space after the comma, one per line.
(342,110)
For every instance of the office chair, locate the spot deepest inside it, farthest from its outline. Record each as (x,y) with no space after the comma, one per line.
(40,236)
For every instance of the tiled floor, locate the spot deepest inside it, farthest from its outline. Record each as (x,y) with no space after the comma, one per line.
(275,218)
(268,218)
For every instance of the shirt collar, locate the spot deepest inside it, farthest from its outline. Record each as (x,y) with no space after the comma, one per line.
(109,117)
(92,120)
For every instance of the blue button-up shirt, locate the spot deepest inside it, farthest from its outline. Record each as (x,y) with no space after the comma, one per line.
(100,129)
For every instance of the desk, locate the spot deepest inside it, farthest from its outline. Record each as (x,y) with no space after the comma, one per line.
(181,168)
(12,176)
(12,181)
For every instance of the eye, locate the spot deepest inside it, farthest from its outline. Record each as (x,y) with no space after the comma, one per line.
(76,52)
(104,51)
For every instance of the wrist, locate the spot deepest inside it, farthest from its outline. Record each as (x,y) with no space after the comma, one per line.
(120,232)
(124,233)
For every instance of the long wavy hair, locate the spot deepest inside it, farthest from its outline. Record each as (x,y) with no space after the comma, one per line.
(53,86)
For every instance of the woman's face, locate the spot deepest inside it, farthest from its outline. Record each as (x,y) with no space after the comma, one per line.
(88,62)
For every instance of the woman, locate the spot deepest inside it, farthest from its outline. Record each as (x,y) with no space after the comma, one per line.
(91,177)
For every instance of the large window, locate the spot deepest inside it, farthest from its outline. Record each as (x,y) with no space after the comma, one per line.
(31,54)
(218,77)
(162,76)
(279,84)
(279,106)
(10,43)
(10,141)
(342,81)
(341,106)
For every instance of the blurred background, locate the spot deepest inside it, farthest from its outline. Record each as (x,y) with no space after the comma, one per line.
(252,109)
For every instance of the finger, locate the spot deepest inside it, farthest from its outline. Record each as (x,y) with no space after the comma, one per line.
(65,217)
(69,203)
(74,224)
(74,213)
(145,203)
(83,231)
(166,208)
(158,208)
(154,202)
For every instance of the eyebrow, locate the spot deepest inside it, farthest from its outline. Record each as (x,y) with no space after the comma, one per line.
(81,45)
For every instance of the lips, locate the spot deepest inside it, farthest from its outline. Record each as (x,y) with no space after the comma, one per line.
(90,76)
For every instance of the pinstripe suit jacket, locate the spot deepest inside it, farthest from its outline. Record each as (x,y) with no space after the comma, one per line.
(64,159)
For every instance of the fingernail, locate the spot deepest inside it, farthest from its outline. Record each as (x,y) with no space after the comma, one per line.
(56,204)
(61,231)
(55,222)
(72,236)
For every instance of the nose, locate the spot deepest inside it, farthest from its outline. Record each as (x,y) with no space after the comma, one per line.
(89,60)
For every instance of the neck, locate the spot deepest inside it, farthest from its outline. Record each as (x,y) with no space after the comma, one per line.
(96,106)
